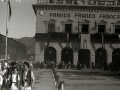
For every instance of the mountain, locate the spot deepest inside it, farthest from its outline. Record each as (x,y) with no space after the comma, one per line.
(16,50)
(30,44)
(28,41)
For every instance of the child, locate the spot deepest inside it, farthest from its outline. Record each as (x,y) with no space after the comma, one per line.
(14,79)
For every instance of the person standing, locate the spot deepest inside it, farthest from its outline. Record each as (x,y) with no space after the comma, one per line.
(14,79)
(69,65)
(93,66)
(27,77)
(1,77)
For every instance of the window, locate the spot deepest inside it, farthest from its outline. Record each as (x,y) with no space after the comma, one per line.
(85,28)
(110,3)
(59,1)
(117,28)
(68,1)
(68,27)
(51,27)
(51,1)
(101,28)
(105,2)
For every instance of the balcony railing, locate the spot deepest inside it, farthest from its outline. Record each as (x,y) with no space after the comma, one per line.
(56,36)
(61,36)
(80,2)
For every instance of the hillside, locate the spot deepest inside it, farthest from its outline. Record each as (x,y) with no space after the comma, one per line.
(16,50)
(28,41)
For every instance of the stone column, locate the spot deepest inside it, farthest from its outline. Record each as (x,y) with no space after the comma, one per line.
(37,51)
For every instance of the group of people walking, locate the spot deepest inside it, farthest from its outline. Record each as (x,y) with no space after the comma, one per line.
(16,76)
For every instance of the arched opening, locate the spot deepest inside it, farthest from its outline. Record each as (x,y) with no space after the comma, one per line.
(50,54)
(84,57)
(67,55)
(101,58)
(116,58)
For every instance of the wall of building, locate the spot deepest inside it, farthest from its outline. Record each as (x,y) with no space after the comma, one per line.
(76,15)
(42,45)
(43,16)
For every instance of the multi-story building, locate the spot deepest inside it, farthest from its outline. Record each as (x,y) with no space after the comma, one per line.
(77,30)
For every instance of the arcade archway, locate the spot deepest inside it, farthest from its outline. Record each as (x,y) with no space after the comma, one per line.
(100,57)
(84,57)
(116,58)
(50,54)
(67,55)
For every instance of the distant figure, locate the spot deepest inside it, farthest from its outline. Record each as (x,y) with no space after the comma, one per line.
(69,65)
(93,66)
(85,66)
(78,65)
(112,66)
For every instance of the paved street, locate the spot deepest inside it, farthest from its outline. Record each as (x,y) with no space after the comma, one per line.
(44,80)
(90,80)
(76,80)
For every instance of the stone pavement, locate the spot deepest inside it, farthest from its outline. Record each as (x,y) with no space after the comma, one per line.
(44,80)
(77,80)
(89,80)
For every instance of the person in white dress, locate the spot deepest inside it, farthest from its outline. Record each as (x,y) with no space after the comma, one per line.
(14,79)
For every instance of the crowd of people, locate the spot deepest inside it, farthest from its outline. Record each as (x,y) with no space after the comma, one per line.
(112,66)
(19,75)
(49,64)
(16,76)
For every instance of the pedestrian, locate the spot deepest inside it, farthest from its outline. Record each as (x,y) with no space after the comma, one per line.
(78,65)
(93,66)
(27,77)
(6,71)
(14,79)
(69,65)
(85,66)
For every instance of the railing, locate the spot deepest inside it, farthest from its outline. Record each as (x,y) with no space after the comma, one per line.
(74,30)
(81,2)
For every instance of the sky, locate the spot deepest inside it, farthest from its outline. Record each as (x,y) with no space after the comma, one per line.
(23,20)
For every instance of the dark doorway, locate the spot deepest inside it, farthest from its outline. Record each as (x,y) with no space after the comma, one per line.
(67,55)
(101,28)
(116,58)
(84,57)
(50,54)
(100,57)
(117,28)
(85,28)
(68,28)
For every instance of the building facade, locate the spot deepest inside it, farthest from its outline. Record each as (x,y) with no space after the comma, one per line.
(77,30)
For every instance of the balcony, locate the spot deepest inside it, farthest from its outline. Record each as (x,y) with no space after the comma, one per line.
(113,3)
(56,36)
(61,36)
(107,38)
